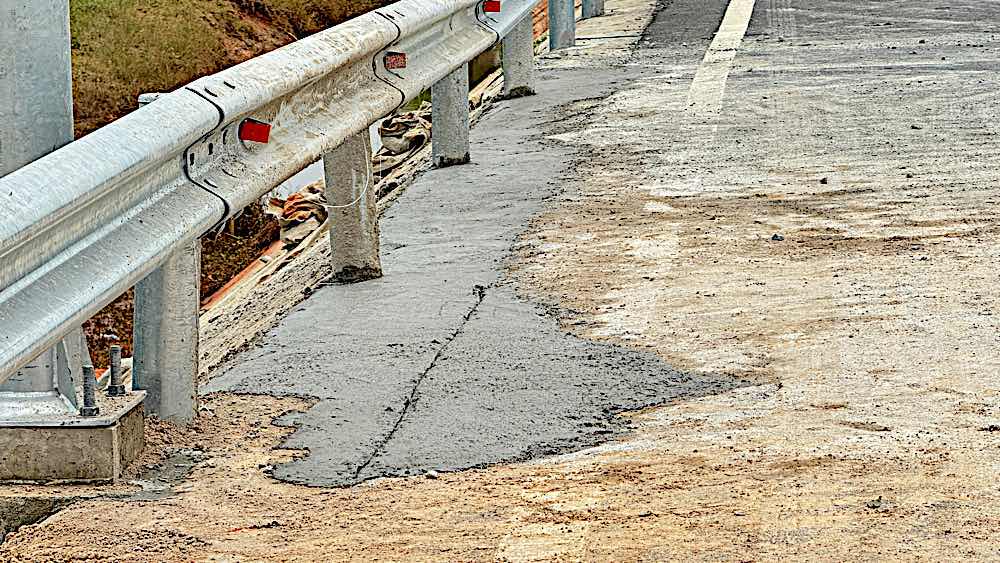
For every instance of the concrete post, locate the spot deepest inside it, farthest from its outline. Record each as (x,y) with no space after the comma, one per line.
(593,8)
(450,116)
(165,360)
(519,61)
(350,191)
(36,110)
(562,24)
(36,80)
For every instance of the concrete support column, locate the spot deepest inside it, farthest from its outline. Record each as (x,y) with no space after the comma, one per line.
(36,80)
(36,110)
(593,8)
(450,114)
(562,24)
(519,61)
(350,191)
(165,362)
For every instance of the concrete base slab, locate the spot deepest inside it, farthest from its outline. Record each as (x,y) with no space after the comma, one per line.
(18,512)
(73,449)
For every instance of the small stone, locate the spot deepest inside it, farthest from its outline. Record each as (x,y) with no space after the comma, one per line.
(777,237)
(432,474)
(824,181)
(916,127)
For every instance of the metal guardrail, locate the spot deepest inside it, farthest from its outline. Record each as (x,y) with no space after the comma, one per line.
(89,221)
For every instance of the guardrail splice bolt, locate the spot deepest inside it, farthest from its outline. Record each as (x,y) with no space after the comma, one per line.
(115,387)
(89,407)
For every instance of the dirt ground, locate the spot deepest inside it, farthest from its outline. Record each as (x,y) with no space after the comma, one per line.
(828,234)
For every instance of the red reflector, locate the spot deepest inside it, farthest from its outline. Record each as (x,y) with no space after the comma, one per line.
(395,61)
(256,131)
(491,6)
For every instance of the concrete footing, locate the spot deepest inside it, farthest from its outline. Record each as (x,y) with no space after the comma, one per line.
(73,448)
(24,511)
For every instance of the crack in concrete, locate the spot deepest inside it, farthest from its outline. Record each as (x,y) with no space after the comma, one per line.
(480,292)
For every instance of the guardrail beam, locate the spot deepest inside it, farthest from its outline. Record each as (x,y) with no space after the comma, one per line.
(519,60)
(165,359)
(450,116)
(593,8)
(350,192)
(562,24)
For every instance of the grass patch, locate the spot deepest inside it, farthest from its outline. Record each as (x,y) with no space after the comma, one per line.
(122,48)
(303,17)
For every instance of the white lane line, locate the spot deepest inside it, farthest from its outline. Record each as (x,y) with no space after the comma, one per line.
(709,85)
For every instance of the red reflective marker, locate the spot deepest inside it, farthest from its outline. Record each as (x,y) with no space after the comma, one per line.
(256,131)
(395,61)
(491,6)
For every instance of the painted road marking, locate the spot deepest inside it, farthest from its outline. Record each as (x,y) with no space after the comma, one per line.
(709,85)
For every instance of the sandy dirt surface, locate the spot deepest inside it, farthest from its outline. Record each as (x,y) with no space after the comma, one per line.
(824,221)
(816,214)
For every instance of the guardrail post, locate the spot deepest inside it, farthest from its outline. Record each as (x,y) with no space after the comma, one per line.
(593,8)
(519,60)
(350,191)
(450,117)
(36,83)
(36,110)
(165,361)
(562,24)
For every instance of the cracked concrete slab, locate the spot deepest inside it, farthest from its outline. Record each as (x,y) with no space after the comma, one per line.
(410,374)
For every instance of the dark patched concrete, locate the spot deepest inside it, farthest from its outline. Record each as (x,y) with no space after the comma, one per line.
(439,365)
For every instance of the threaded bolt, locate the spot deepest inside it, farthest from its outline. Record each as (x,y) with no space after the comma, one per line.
(115,387)
(89,386)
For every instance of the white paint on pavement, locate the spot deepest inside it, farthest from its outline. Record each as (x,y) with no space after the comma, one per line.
(709,85)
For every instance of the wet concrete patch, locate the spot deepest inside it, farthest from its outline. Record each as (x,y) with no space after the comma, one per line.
(513,385)
(158,481)
(439,365)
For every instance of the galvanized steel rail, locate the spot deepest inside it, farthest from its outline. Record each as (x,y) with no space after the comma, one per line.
(89,221)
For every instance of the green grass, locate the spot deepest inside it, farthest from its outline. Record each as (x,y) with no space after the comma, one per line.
(307,16)
(122,48)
